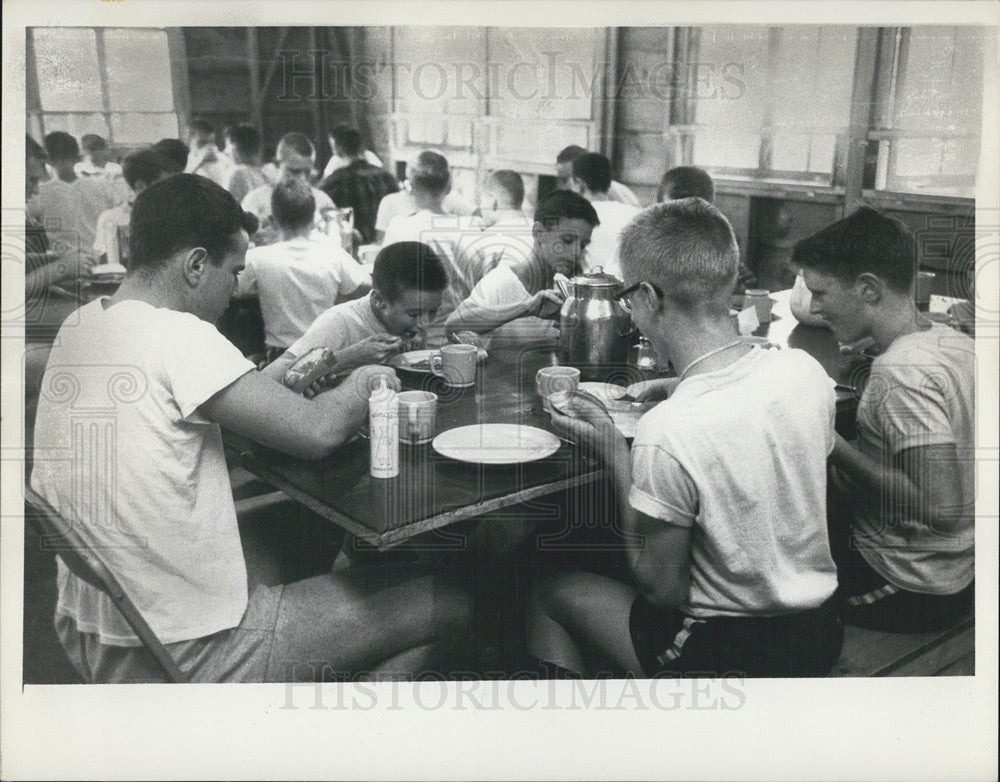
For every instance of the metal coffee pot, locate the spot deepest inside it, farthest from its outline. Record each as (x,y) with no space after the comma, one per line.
(593,327)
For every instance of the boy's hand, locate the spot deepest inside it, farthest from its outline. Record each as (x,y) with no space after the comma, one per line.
(653,390)
(587,423)
(546,304)
(362,381)
(372,350)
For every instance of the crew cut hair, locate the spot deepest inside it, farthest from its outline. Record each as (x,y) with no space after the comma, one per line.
(293,204)
(348,140)
(183,212)
(408,266)
(430,173)
(686,247)
(298,143)
(565,204)
(510,184)
(864,241)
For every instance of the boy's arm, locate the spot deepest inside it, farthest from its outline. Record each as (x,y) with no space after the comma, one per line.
(256,407)
(470,316)
(922,484)
(658,552)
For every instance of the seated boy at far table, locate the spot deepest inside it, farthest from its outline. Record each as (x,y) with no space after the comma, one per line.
(723,494)
(408,283)
(140,171)
(905,541)
(300,277)
(517,301)
(150,383)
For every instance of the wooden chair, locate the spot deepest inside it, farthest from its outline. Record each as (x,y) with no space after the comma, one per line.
(61,537)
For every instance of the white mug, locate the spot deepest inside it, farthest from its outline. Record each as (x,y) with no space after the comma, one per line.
(456,364)
(417,414)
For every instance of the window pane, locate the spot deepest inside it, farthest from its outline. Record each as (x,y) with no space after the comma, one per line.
(143,128)
(76,124)
(68,76)
(138,70)
(790,153)
(727,150)
(729,80)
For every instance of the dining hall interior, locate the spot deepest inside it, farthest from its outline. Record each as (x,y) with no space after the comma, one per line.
(501,352)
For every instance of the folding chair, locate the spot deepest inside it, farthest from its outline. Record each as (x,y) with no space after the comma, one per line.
(61,537)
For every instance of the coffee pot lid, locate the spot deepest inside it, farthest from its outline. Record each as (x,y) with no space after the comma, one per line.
(596,277)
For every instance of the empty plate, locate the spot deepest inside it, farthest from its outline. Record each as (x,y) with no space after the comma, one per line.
(496,444)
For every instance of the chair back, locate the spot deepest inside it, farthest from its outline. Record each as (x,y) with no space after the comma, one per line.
(61,537)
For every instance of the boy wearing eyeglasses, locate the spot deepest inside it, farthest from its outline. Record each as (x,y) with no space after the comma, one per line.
(722,495)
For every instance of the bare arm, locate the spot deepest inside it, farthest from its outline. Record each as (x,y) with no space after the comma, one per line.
(922,484)
(658,552)
(257,407)
(471,316)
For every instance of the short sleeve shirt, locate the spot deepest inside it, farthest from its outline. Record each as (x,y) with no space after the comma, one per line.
(123,452)
(339,327)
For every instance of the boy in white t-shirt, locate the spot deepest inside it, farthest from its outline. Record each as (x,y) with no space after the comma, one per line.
(300,277)
(722,496)
(592,179)
(408,283)
(517,301)
(903,533)
(129,449)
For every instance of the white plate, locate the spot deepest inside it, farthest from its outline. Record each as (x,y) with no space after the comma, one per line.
(413,360)
(606,392)
(496,444)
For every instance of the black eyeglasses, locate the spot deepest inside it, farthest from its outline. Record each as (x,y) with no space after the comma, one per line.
(623,297)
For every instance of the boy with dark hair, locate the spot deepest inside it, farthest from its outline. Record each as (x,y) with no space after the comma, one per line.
(686,182)
(358,185)
(67,205)
(447,235)
(111,237)
(300,277)
(296,157)
(153,381)
(564,176)
(591,179)
(517,300)
(905,552)
(408,283)
(243,146)
(175,154)
(722,496)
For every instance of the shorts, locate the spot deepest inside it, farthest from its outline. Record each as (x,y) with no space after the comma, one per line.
(240,654)
(868,600)
(668,642)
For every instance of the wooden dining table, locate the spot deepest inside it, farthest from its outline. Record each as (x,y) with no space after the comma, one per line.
(433,491)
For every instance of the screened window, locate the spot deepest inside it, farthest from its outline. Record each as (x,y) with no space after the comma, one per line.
(769,101)
(115,82)
(927,125)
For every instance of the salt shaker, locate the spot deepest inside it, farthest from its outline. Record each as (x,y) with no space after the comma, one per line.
(383,431)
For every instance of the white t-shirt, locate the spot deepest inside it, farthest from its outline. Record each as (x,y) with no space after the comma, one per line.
(112,174)
(212,164)
(921,392)
(339,327)
(106,236)
(619,192)
(297,281)
(401,204)
(501,287)
(603,248)
(123,452)
(739,455)
(69,211)
(258,202)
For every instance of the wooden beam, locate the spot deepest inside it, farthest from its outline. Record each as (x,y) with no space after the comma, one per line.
(253,66)
(862,100)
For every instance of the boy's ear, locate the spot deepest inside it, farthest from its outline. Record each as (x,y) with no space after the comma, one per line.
(870,287)
(193,266)
(378,300)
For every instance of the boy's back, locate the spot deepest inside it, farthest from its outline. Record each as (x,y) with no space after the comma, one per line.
(751,441)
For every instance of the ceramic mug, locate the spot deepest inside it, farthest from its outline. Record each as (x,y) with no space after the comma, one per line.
(456,365)
(549,380)
(761,300)
(417,415)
